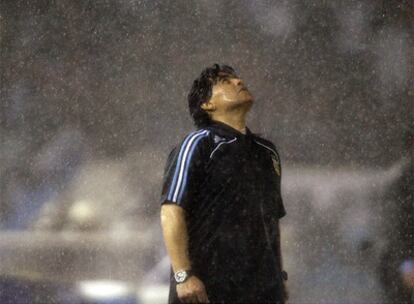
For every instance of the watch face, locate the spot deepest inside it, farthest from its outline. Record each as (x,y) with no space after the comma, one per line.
(180,276)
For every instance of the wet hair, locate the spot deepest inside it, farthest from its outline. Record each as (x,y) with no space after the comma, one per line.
(201,91)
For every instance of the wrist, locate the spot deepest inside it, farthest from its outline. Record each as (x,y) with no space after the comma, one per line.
(182,275)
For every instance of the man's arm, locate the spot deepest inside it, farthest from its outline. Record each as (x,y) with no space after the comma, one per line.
(175,236)
(279,252)
(176,241)
(279,249)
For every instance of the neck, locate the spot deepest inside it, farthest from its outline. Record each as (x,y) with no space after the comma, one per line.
(237,122)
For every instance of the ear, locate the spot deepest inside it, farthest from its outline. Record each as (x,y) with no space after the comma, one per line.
(208,106)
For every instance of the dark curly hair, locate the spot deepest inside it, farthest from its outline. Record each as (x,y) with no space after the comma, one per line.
(201,91)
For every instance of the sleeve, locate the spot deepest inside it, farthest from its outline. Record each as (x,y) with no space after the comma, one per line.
(183,171)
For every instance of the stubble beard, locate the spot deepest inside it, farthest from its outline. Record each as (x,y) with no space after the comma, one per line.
(241,105)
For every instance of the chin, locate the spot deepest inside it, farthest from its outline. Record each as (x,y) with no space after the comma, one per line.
(247,104)
(250,103)
(247,96)
(249,100)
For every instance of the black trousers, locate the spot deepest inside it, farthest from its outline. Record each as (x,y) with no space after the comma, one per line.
(235,292)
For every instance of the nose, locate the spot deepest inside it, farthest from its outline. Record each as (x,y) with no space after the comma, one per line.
(238,82)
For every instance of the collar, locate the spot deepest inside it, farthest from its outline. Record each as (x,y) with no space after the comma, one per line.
(227,130)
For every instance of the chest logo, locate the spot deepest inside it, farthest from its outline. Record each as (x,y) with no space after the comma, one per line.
(276,164)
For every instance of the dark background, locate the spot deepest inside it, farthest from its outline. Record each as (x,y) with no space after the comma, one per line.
(331,79)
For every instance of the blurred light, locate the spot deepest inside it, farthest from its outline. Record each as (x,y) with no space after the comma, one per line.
(82,211)
(154,294)
(105,289)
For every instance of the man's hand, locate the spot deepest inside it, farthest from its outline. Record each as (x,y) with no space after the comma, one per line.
(192,291)
(285,291)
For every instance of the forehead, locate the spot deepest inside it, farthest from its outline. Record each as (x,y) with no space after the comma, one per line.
(224,75)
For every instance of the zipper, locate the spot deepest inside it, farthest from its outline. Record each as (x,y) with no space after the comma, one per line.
(223,142)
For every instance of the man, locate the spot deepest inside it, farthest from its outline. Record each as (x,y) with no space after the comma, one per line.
(221,201)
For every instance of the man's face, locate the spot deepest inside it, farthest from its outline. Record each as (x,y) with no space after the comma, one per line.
(230,92)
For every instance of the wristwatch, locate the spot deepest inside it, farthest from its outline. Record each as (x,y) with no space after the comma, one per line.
(284,275)
(181,276)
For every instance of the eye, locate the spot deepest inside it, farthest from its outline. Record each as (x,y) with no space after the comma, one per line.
(225,80)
